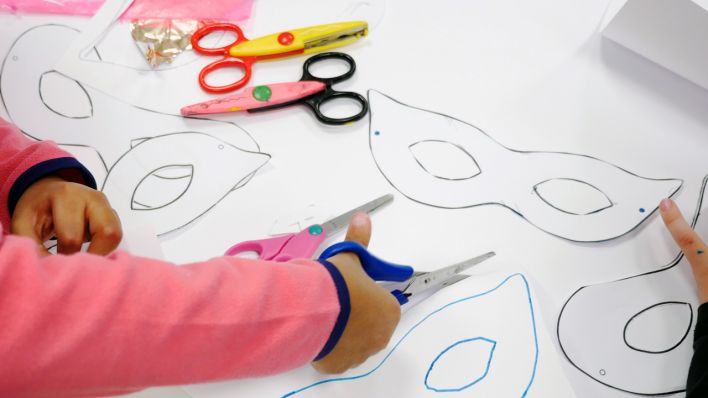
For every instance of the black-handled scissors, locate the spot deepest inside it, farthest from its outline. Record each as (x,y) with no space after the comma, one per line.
(310,90)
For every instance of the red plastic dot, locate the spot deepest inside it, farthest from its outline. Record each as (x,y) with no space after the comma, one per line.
(285,38)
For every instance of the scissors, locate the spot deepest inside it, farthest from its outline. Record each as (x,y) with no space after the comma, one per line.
(242,53)
(311,91)
(416,282)
(304,243)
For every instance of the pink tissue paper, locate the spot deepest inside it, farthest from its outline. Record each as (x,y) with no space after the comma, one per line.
(230,10)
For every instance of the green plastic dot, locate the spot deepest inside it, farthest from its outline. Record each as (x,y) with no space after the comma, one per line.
(262,93)
(315,230)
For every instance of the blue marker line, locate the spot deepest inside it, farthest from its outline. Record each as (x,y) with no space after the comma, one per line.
(533,320)
(477,380)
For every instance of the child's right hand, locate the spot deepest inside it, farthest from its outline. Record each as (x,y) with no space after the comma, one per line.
(374,311)
(690,243)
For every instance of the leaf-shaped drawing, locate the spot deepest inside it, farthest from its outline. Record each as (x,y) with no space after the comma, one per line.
(216,168)
(572,196)
(162,187)
(461,365)
(444,160)
(507,176)
(53,88)
(641,333)
(598,327)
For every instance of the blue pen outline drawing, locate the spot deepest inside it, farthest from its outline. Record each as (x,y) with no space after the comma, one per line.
(398,343)
(475,381)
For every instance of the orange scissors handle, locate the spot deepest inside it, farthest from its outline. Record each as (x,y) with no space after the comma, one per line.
(216,27)
(228,62)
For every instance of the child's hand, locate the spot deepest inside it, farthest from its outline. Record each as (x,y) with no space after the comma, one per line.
(374,311)
(690,243)
(71,212)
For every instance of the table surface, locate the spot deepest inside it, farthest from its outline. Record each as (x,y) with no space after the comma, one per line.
(535,76)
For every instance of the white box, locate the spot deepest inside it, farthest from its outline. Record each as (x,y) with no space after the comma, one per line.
(672,33)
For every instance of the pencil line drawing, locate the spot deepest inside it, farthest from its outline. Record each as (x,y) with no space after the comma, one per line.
(594,324)
(168,169)
(689,311)
(505,344)
(542,187)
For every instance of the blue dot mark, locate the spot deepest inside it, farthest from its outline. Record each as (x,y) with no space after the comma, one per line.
(377,133)
(641,210)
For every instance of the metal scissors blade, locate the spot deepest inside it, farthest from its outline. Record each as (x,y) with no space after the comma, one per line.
(427,280)
(335,224)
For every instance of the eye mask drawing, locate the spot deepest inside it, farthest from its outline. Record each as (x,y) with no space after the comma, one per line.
(453,344)
(146,155)
(635,334)
(441,161)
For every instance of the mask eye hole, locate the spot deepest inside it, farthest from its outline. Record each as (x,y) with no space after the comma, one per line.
(642,334)
(55,88)
(461,365)
(572,196)
(444,160)
(162,187)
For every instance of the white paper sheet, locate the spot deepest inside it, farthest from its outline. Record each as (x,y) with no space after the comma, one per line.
(478,338)
(635,334)
(576,197)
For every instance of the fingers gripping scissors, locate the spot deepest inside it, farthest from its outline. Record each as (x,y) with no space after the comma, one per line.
(416,282)
(304,243)
(311,91)
(242,53)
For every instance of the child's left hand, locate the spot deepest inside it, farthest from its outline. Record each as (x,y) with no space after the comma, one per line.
(72,212)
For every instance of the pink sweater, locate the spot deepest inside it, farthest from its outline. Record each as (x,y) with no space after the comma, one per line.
(84,325)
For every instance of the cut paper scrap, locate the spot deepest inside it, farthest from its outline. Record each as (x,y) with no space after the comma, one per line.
(440,161)
(232,10)
(635,334)
(478,338)
(164,168)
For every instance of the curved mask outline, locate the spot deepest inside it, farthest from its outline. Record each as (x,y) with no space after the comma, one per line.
(445,337)
(113,128)
(591,324)
(507,175)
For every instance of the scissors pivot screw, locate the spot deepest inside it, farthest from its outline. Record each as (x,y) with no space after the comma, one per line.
(285,38)
(315,230)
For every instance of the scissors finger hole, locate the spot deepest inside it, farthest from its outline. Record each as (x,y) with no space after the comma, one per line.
(329,68)
(218,39)
(225,75)
(340,107)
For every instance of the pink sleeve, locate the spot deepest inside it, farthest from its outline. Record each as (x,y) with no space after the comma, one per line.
(85,325)
(23,161)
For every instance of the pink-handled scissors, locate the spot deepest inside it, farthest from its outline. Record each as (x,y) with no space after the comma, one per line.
(304,243)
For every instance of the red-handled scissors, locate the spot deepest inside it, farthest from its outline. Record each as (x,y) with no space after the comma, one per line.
(242,53)
(304,243)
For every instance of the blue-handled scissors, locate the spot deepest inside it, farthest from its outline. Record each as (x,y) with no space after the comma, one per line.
(416,282)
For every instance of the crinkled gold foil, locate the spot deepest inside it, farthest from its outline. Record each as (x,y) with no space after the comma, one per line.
(162,40)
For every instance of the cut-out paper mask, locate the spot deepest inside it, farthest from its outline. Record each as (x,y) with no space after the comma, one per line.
(635,334)
(166,169)
(441,161)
